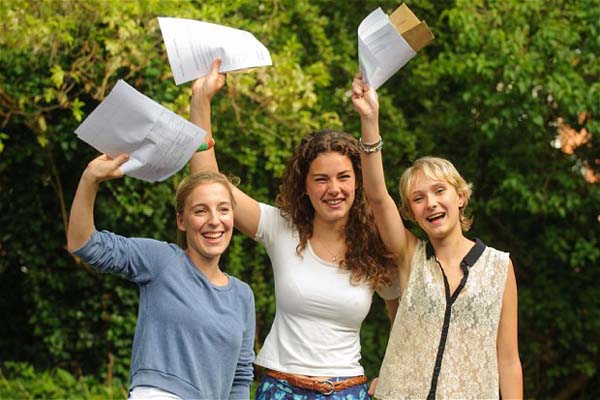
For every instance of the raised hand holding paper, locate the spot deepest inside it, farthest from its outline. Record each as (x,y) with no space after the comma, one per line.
(193,45)
(158,141)
(386,44)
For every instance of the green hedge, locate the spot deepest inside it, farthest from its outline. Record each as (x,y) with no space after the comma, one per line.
(488,93)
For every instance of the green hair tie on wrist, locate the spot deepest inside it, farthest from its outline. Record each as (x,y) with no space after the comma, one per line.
(206,146)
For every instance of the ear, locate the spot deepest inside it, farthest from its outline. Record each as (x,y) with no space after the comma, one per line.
(180,224)
(461,200)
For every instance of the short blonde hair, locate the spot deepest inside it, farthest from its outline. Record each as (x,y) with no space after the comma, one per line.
(438,169)
(187,186)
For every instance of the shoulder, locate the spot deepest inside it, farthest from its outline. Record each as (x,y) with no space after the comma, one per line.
(496,265)
(271,224)
(242,287)
(157,248)
(497,257)
(270,214)
(420,252)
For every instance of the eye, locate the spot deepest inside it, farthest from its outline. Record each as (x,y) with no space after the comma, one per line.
(440,190)
(224,210)
(345,177)
(199,211)
(417,199)
(321,180)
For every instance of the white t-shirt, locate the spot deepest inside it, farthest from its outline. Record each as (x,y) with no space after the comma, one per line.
(316,330)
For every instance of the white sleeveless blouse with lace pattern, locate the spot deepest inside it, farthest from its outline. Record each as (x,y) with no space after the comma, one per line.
(467,365)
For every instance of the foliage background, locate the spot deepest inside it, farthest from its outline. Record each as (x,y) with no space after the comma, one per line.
(490,93)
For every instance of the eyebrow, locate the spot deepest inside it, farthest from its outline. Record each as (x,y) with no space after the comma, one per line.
(228,203)
(347,171)
(434,186)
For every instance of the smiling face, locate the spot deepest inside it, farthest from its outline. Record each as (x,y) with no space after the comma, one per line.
(435,205)
(207,220)
(331,185)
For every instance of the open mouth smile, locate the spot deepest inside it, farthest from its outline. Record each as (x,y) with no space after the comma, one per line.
(334,202)
(436,217)
(213,235)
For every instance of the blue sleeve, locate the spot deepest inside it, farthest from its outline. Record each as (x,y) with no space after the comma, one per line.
(244,371)
(138,260)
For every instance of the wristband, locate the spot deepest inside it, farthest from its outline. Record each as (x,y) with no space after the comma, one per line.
(370,147)
(206,146)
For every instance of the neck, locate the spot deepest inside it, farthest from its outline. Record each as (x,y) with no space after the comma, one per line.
(329,231)
(208,266)
(451,249)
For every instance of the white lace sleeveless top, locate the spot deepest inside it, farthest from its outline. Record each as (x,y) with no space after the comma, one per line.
(444,346)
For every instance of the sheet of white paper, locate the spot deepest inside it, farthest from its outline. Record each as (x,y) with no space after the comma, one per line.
(158,141)
(382,50)
(193,45)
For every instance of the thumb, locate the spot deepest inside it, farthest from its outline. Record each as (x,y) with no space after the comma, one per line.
(216,65)
(373,386)
(121,159)
(371,93)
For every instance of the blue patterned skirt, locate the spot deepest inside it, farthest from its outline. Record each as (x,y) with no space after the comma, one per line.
(270,388)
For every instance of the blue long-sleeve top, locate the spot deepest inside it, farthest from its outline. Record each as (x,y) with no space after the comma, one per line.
(192,338)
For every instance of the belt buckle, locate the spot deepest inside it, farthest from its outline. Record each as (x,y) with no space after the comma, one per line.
(330,391)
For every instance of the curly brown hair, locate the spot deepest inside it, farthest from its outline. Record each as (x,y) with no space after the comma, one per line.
(366,256)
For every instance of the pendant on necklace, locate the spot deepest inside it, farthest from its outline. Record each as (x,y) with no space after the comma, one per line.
(334,259)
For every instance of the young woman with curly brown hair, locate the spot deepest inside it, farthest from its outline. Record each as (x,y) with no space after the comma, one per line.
(327,260)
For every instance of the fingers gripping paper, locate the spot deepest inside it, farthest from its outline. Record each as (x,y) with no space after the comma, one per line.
(158,141)
(193,45)
(386,44)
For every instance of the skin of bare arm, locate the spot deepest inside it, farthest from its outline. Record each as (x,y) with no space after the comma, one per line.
(509,362)
(392,308)
(395,236)
(402,242)
(81,219)
(247,211)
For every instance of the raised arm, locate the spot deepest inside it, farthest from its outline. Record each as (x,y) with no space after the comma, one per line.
(395,236)
(81,219)
(247,212)
(509,363)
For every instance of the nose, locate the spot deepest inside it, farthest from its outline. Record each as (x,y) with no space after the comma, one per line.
(213,219)
(333,186)
(431,202)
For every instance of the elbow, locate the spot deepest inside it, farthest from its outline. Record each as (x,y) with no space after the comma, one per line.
(512,363)
(73,245)
(71,242)
(510,370)
(375,200)
(76,240)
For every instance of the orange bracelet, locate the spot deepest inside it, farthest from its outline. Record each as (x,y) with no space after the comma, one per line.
(206,146)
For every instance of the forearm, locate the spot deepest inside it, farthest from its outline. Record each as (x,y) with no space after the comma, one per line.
(81,219)
(244,371)
(511,380)
(200,110)
(240,391)
(372,163)
(392,309)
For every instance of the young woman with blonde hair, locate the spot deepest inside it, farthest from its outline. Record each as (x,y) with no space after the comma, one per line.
(195,331)
(455,332)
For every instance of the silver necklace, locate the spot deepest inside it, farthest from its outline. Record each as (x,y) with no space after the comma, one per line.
(333,256)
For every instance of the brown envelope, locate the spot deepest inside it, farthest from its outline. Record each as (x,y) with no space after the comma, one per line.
(415,32)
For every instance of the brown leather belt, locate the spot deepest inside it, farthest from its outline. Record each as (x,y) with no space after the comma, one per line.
(325,387)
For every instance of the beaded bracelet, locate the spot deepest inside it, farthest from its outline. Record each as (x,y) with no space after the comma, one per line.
(370,147)
(206,146)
